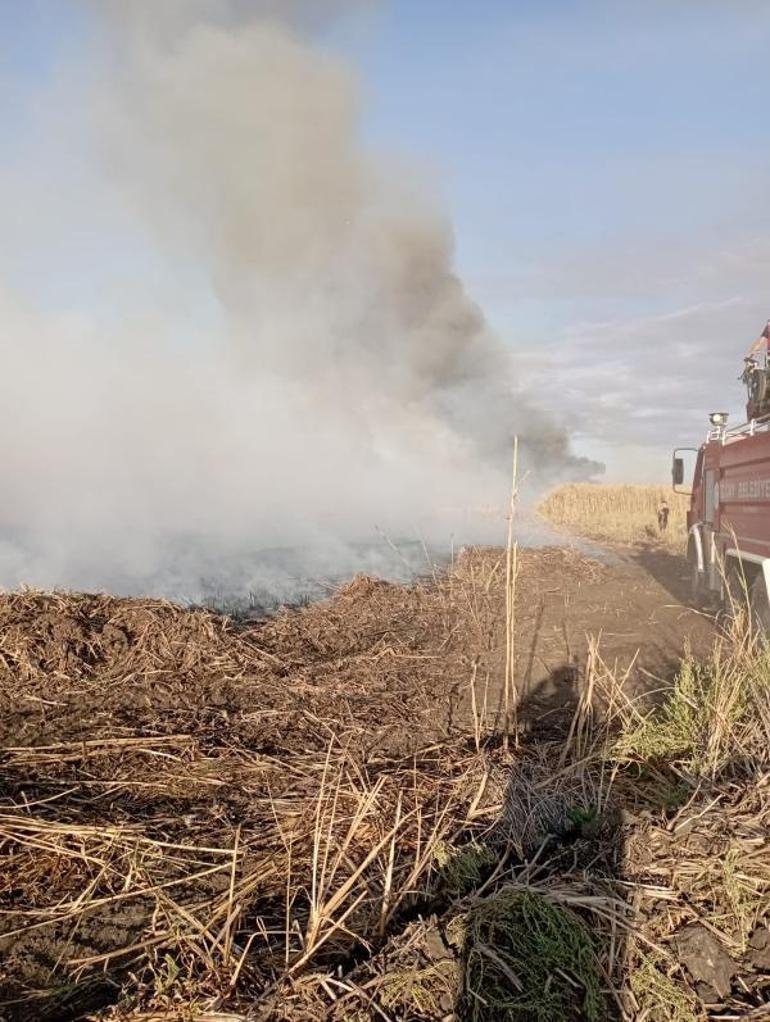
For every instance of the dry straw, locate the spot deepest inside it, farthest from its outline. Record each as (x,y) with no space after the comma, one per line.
(278,823)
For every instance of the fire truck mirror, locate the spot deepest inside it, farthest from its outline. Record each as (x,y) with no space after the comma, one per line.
(683,468)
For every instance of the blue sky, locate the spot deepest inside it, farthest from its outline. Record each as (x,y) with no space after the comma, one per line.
(605,166)
(560,127)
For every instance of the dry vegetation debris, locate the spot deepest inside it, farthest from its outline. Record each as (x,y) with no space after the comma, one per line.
(315,818)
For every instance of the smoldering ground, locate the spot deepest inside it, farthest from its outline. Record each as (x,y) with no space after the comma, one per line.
(236,328)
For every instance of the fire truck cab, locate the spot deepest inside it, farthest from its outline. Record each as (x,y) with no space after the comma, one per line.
(728,521)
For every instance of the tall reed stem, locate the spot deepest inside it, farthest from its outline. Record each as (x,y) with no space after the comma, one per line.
(510,696)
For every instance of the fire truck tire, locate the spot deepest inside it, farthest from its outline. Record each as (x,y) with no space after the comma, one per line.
(760,605)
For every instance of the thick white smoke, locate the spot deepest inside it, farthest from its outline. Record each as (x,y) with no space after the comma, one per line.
(323,370)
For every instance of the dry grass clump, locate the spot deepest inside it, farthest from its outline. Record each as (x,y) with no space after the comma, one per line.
(528,960)
(620,514)
(717,713)
(697,855)
(662,999)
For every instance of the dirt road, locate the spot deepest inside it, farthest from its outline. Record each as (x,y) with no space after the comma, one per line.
(633,603)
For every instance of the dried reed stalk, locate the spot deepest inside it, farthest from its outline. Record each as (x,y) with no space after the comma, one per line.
(510,698)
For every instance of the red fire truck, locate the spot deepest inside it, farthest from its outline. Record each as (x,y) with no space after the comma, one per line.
(729,517)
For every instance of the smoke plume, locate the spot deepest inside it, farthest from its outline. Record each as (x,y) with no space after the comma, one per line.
(295,359)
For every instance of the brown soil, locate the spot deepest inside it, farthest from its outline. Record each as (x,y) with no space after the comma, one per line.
(128,726)
(634,605)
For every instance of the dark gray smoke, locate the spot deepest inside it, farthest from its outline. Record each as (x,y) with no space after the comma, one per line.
(236,137)
(342,378)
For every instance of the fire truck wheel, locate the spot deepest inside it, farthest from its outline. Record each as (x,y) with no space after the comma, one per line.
(760,605)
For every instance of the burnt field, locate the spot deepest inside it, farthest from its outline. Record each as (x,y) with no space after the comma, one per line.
(320,815)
